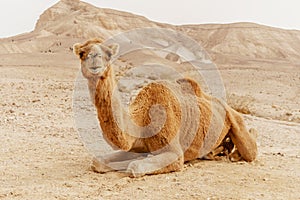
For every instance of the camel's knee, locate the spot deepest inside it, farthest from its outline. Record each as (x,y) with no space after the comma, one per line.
(99,167)
(251,156)
(251,151)
(246,144)
(253,134)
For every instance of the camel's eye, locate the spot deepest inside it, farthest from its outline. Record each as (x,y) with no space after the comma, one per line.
(94,55)
(98,55)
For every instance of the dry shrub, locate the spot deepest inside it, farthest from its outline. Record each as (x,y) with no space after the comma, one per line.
(242,104)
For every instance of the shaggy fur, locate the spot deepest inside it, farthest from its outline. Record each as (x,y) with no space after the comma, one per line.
(166,144)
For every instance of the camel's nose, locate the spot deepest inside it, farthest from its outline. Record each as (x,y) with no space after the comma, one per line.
(97,63)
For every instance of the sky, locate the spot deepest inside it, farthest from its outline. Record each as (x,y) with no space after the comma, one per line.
(20,16)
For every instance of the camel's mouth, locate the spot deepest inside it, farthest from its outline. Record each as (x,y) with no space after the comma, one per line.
(95,70)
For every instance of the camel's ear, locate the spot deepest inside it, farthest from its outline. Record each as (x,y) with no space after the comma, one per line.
(77,49)
(114,49)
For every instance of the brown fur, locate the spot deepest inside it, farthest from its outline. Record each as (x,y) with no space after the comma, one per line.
(83,49)
(241,141)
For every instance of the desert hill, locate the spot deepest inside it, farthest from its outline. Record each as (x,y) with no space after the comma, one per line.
(72,19)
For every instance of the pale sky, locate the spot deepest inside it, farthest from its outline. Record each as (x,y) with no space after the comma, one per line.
(19,16)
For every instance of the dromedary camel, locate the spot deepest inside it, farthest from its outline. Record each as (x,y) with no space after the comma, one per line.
(234,140)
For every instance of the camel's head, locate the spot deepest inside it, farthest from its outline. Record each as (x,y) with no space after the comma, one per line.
(94,56)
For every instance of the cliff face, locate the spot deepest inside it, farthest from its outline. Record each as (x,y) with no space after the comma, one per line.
(71,19)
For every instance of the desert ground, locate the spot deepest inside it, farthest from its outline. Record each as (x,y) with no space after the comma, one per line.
(43,157)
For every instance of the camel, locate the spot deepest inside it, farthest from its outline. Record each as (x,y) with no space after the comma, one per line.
(159,110)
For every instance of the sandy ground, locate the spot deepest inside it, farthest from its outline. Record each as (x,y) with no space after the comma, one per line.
(42,156)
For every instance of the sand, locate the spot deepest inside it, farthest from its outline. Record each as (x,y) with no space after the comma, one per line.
(43,157)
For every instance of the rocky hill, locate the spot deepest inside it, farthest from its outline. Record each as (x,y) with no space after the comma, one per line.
(72,20)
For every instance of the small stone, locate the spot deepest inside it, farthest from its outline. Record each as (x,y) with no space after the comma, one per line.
(35,100)
(280,154)
(288,114)
(68,185)
(25,114)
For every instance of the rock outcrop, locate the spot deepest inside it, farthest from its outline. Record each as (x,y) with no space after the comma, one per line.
(73,20)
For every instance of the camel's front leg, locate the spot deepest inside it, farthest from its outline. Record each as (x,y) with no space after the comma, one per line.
(116,161)
(156,164)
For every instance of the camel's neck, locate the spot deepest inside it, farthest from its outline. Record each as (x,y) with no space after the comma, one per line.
(92,83)
(104,104)
(108,83)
